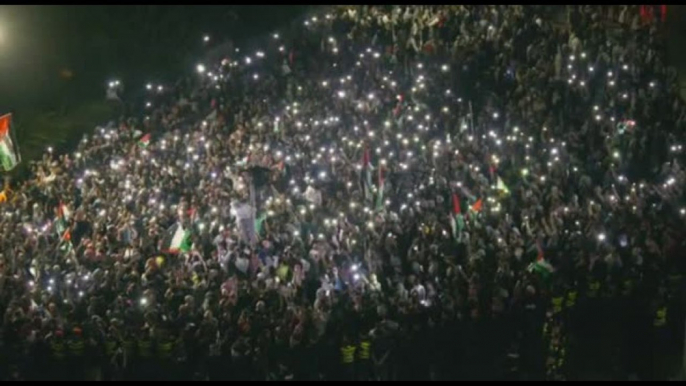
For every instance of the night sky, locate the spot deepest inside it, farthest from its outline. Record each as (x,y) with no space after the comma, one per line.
(134,43)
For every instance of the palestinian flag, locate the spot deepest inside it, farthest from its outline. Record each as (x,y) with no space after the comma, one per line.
(144,141)
(177,239)
(63,212)
(367,174)
(541,265)
(9,151)
(379,193)
(63,234)
(456,217)
(500,185)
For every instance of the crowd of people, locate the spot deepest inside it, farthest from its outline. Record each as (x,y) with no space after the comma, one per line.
(380,192)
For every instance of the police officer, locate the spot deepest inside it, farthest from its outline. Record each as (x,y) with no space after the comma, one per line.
(660,336)
(128,345)
(145,352)
(112,359)
(58,353)
(348,350)
(76,346)
(165,346)
(363,365)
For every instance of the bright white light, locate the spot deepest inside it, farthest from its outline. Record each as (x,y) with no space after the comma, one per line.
(206,38)
(200,68)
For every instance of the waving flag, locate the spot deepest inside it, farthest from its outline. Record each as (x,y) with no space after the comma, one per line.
(367,174)
(379,194)
(541,265)
(144,141)
(456,217)
(63,212)
(177,239)
(9,151)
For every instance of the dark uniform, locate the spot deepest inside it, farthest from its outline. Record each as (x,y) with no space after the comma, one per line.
(128,346)
(112,359)
(144,361)
(165,357)
(58,354)
(363,365)
(76,347)
(348,361)
(660,343)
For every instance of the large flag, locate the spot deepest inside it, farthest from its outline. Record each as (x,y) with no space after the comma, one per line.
(9,151)
(177,239)
(367,174)
(379,193)
(456,217)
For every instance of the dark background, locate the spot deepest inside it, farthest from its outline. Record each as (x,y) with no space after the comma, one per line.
(55,61)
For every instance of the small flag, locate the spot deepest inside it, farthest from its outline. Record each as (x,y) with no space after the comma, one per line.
(379,193)
(64,234)
(177,239)
(367,174)
(63,212)
(541,265)
(144,141)
(456,218)
(477,205)
(9,151)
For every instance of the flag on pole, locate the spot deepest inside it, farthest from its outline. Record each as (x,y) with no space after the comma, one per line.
(541,265)
(63,234)
(367,174)
(144,141)
(456,217)
(63,212)
(379,193)
(9,151)
(177,239)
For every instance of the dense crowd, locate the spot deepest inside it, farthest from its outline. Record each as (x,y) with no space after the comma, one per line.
(380,192)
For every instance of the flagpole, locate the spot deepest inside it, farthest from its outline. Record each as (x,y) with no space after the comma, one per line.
(253,208)
(471,117)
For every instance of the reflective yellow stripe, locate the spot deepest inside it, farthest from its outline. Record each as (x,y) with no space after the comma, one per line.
(364,350)
(557,304)
(661,317)
(348,353)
